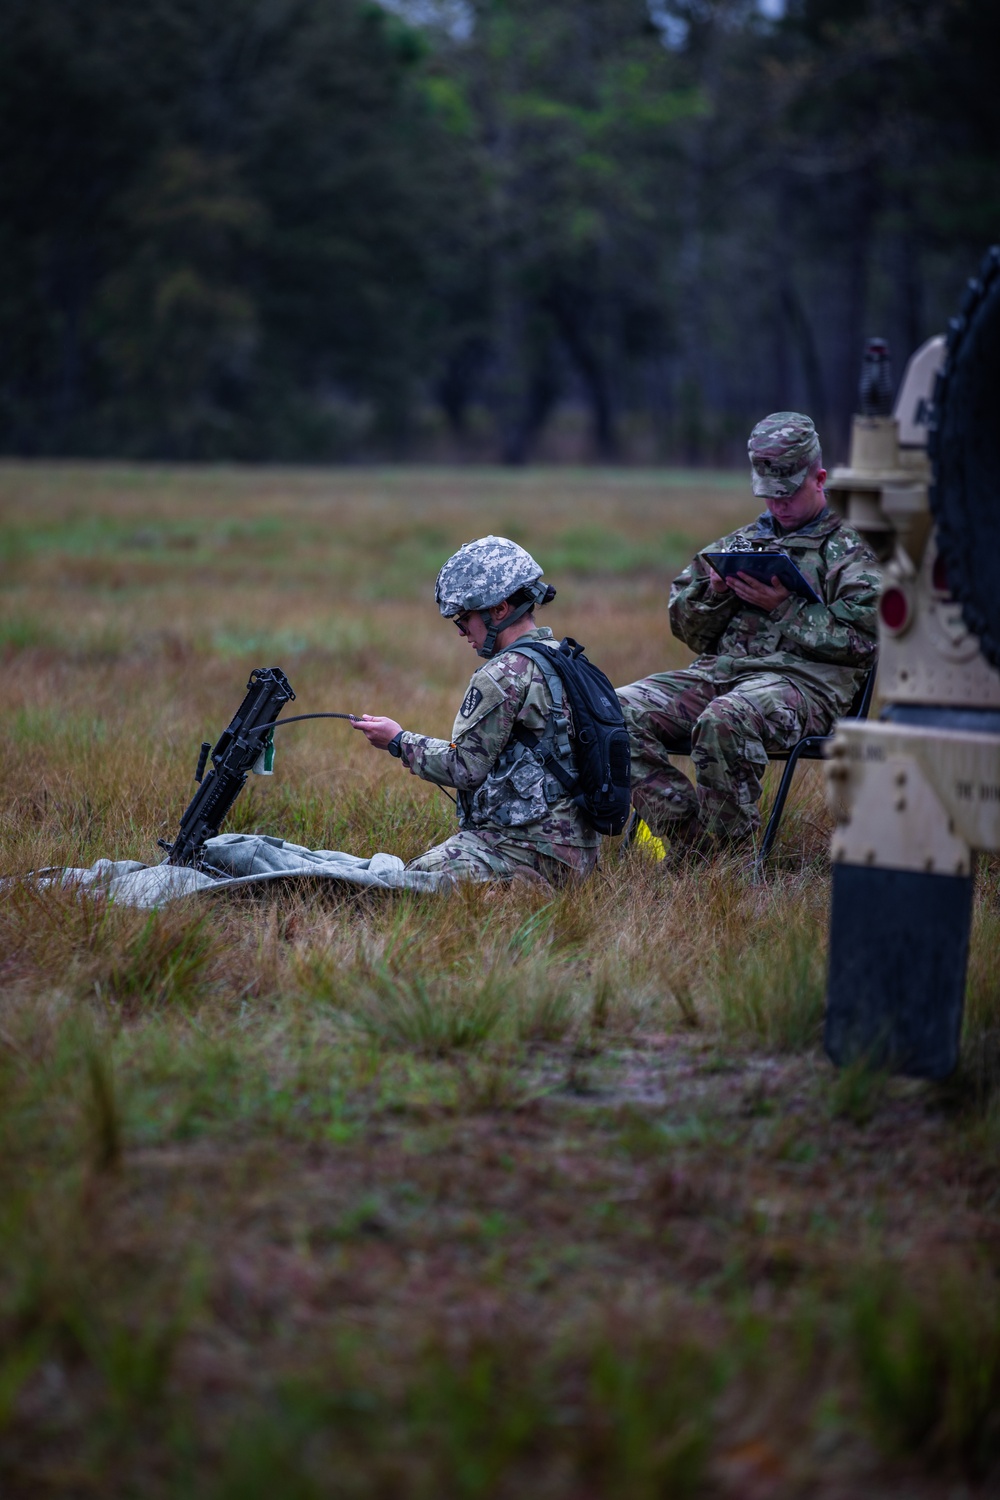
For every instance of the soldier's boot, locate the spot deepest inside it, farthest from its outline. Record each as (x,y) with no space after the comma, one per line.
(664,799)
(689,843)
(731,822)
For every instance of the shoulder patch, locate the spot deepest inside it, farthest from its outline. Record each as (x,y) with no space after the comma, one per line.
(470,702)
(483,695)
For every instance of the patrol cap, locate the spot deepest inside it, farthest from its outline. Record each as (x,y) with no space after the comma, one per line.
(781,448)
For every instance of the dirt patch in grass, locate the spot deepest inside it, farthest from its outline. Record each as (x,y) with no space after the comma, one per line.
(684,1269)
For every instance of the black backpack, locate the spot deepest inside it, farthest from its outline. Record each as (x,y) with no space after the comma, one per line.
(595,767)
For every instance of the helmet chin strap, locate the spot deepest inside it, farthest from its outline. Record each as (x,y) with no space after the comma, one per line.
(489,646)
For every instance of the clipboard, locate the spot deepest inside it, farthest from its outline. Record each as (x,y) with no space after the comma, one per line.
(764,566)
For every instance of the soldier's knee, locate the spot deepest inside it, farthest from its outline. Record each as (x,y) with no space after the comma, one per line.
(634,711)
(652,725)
(707,730)
(454,859)
(723,718)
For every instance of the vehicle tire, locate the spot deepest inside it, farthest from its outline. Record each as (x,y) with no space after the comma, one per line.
(964,448)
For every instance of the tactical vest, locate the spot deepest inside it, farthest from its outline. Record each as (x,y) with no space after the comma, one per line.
(519,789)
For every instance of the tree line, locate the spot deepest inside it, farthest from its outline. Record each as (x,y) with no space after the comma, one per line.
(500,229)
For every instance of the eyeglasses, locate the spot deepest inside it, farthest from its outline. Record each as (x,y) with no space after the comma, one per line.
(461,620)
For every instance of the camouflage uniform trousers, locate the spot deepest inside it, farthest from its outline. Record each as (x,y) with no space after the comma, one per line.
(733,725)
(491,854)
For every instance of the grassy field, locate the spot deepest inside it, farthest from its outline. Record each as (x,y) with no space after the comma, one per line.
(501,1195)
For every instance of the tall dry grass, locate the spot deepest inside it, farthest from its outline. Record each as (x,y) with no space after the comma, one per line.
(515,1192)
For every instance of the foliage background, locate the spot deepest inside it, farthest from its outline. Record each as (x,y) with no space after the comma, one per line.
(289,229)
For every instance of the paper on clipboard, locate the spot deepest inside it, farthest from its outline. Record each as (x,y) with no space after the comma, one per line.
(764,566)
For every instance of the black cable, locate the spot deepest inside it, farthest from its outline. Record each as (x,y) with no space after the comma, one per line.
(297,719)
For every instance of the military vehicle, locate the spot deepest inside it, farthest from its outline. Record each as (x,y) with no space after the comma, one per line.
(916,793)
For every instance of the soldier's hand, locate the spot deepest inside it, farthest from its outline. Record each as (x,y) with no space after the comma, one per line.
(377,731)
(764,596)
(717,582)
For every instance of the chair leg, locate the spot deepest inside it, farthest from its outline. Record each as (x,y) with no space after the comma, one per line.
(774,821)
(629,832)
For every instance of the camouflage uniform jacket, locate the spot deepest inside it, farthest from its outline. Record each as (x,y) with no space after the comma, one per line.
(501,782)
(823,649)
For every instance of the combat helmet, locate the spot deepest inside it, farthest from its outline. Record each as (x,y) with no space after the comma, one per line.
(484,573)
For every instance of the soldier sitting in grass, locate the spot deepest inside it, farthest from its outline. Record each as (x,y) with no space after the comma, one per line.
(772,667)
(514,817)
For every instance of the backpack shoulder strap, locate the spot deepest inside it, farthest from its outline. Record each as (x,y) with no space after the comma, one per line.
(559,725)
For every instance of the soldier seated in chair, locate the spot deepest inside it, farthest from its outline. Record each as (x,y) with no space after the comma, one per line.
(771,666)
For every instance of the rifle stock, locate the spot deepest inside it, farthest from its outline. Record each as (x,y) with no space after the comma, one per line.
(233,757)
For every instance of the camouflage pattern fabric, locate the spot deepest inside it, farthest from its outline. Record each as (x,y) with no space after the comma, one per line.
(781,448)
(482,854)
(763,679)
(514,820)
(824,649)
(731,734)
(482,573)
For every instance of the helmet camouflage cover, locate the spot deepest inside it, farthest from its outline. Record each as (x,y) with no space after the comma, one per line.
(483,573)
(781,448)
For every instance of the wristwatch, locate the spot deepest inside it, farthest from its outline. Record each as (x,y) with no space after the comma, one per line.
(395,745)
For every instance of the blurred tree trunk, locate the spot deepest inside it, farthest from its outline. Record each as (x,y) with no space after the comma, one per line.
(812,365)
(570,308)
(792,333)
(497,85)
(691,306)
(907,277)
(857,228)
(699,169)
(69,288)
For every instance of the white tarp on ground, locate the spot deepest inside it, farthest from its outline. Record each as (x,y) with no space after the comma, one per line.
(243,859)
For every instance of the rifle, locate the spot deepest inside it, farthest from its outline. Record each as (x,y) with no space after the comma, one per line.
(245,745)
(238,749)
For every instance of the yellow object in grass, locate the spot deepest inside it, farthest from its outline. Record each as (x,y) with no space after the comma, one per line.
(644,838)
